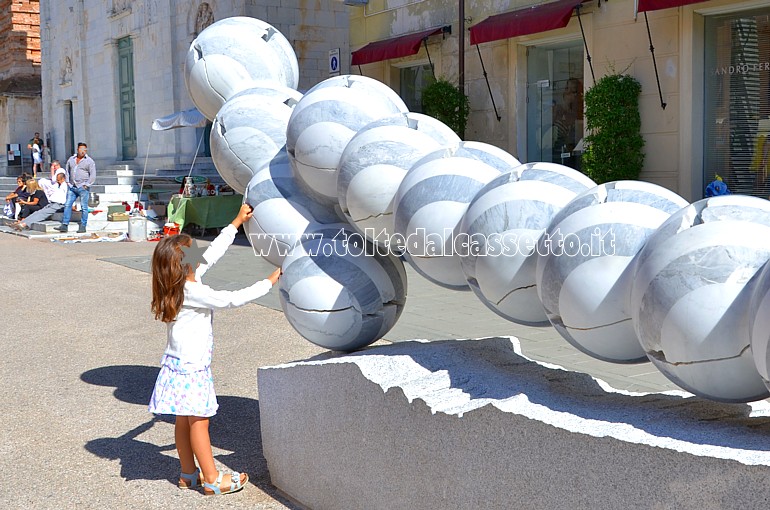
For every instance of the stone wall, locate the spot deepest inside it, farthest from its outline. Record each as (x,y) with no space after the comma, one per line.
(19,37)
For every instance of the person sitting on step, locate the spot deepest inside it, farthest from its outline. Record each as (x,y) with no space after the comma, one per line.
(56,200)
(36,200)
(13,197)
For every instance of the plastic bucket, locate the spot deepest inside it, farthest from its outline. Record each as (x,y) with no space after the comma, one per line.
(170,229)
(137,228)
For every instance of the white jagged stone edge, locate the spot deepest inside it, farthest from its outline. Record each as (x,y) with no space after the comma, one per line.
(434,388)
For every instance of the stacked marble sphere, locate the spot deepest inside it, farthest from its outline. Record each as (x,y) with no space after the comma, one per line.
(346,184)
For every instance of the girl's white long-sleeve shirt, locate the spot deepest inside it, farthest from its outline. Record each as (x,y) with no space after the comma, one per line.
(191,335)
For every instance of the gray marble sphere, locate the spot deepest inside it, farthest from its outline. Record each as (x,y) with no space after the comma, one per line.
(759,323)
(691,297)
(337,293)
(375,162)
(432,199)
(248,131)
(326,119)
(584,267)
(504,223)
(282,214)
(227,56)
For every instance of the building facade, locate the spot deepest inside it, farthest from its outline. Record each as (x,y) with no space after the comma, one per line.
(110,68)
(525,81)
(20,102)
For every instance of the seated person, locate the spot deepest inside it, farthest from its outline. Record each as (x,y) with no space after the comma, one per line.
(36,200)
(55,165)
(57,197)
(20,193)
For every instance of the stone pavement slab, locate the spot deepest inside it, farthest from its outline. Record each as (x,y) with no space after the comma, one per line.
(80,357)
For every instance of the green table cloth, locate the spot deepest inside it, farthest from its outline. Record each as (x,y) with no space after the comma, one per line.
(206,212)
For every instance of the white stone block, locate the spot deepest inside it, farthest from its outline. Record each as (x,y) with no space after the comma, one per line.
(476,425)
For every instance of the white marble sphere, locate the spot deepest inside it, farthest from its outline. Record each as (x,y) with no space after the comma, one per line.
(337,296)
(432,199)
(504,223)
(584,265)
(375,162)
(691,297)
(759,323)
(248,131)
(273,90)
(229,55)
(325,120)
(282,212)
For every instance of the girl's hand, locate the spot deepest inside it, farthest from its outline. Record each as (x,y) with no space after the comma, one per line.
(275,275)
(244,215)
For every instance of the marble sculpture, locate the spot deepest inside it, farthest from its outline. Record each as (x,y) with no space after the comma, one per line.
(584,276)
(431,201)
(282,213)
(626,271)
(229,55)
(375,162)
(335,296)
(691,296)
(248,131)
(324,121)
(504,222)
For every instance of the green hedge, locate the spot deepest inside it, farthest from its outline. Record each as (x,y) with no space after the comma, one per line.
(447,103)
(614,143)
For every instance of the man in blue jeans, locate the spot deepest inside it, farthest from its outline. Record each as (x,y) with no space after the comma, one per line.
(81,174)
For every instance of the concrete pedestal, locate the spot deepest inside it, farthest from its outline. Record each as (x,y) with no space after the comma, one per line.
(475,425)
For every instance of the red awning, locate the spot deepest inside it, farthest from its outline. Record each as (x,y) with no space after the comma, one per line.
(654,5)
(401,46)
(530,20)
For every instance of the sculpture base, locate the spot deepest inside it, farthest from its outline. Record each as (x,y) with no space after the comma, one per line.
(474,424)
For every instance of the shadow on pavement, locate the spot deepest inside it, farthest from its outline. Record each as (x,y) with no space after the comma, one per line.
(234,429)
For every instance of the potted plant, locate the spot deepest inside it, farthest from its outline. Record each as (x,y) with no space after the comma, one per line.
(614,142)
(447,103)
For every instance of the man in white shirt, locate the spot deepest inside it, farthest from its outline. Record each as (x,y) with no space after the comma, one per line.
(57,197)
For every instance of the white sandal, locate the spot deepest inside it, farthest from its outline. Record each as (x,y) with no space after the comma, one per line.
(236,484)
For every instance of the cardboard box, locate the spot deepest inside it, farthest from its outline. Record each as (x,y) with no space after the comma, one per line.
(115,209)
(118,216)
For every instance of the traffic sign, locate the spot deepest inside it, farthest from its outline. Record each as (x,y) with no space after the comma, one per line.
(334,61)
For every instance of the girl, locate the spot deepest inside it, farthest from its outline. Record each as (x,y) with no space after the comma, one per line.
(184,386)
(37,158)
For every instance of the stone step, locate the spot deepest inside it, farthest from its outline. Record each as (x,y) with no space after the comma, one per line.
(122,182)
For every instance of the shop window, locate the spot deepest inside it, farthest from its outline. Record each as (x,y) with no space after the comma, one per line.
(737,101)
(555,103)
(411,82)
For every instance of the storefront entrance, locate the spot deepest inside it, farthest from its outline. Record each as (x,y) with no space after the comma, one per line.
(555,103)
(737,101)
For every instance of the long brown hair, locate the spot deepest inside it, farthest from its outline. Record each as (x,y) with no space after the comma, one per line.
(168,276)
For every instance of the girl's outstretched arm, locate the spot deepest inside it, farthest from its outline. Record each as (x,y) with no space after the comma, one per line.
(203,296)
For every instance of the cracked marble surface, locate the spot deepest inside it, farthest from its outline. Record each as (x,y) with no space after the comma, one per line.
(586,265)
(692,291)
(338,298)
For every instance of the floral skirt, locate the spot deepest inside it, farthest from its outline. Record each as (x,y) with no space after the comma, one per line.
(183,391)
